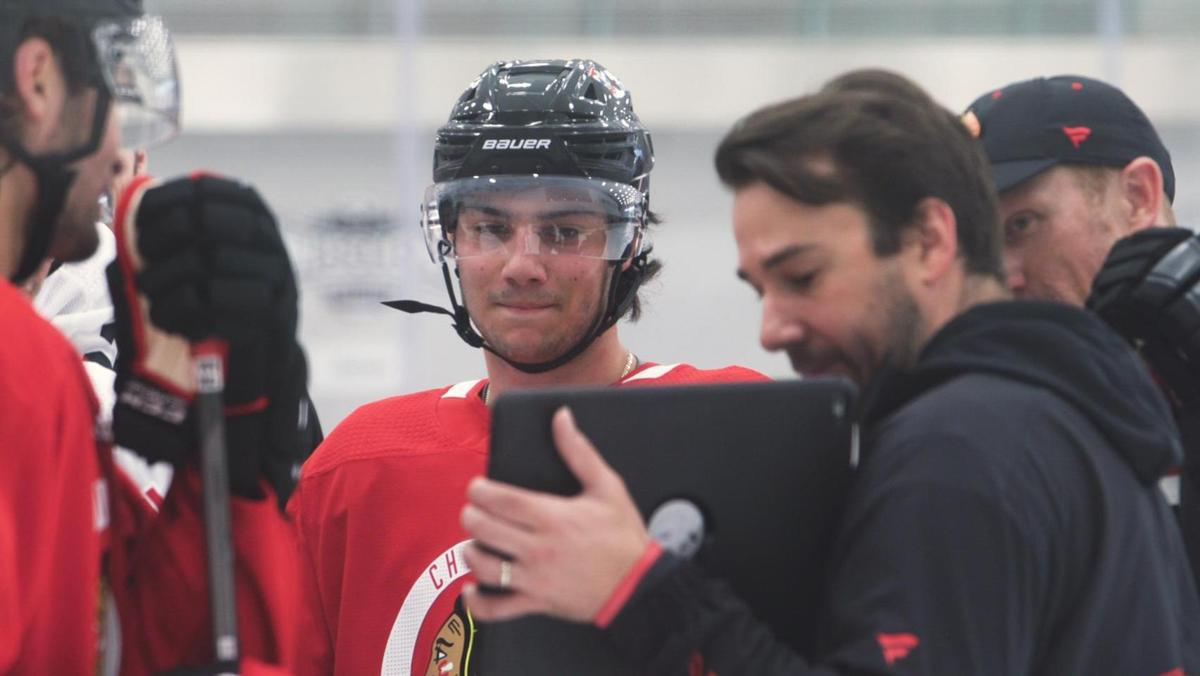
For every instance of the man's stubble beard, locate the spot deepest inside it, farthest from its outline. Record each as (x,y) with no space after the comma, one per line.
(903,322)
(582,324)
(75,237)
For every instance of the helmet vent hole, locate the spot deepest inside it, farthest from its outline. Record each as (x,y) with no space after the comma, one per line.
(591,92)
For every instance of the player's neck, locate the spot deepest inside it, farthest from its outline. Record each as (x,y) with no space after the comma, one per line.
(603,363)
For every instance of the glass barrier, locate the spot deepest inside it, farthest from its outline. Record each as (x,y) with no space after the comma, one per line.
(684,18)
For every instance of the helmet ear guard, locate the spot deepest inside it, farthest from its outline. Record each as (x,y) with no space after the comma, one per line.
(438,219)
(626,285)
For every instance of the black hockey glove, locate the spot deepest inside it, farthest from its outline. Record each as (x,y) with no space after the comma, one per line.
(201,258)
(1148,290)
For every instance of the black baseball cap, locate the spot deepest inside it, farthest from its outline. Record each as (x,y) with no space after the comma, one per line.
(1029,126)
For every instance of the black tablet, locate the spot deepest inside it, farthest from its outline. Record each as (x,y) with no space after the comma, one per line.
(747,479)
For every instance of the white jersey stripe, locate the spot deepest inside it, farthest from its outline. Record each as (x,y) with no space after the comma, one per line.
(651,373)
(461,390)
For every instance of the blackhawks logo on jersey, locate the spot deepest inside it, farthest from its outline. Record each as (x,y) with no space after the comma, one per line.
(451,652)
(433,634)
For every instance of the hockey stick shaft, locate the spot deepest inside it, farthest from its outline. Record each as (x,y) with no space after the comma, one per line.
(209,363)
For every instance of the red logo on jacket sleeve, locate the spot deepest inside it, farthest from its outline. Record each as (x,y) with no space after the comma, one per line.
(696,666)
(896,646)
(1077,135)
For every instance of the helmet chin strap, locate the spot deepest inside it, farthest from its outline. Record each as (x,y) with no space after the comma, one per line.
(54,180)
(622,290)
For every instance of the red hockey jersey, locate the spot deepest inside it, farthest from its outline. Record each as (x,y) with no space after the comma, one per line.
(91,580)
(378,514)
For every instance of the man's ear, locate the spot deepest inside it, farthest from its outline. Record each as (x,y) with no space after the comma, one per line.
(1141,190)
(38,86)
(935,237)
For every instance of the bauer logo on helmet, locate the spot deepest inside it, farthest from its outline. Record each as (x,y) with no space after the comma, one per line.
(516,144)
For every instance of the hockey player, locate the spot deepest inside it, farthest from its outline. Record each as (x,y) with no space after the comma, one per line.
(74,297)
(1005,517)
(90,580)
(540,203)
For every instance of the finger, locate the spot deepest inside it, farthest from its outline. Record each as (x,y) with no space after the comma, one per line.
(495,532)
(163,231)
(235,223)
(495,607)
(179,311)
(522,507)
(248,298)
(1183,319)
(165,202)
(580,454)
(180,269)
(486,565)
(217,189)
(268,267)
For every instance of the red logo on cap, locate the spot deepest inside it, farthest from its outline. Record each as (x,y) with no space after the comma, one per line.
(1077,134)
(896,647)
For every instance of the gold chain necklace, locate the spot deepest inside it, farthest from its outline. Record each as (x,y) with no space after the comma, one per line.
(631,362)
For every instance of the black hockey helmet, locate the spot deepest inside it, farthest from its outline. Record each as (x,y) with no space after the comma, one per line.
(567,129)
(577,105)
(125,55)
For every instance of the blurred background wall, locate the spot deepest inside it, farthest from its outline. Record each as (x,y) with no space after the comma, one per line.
(329,107)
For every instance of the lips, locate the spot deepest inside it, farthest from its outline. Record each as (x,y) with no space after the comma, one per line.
(521,303)
(524,309)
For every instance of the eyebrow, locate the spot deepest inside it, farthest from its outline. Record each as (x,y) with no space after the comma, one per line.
(495,211)
(779,257)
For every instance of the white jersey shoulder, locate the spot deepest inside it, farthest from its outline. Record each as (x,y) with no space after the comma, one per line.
(75,299)
(652,373)
(461,390)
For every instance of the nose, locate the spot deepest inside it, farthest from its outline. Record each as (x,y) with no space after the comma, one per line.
(779,328)
(524,266)
(1014,273)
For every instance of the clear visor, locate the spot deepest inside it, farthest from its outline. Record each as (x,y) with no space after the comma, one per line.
(137,59)
(549,215)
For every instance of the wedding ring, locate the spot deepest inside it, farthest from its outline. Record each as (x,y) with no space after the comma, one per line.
(505,574)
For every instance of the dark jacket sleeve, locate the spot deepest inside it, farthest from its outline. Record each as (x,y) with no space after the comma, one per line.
(929,578)
(1189,484)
